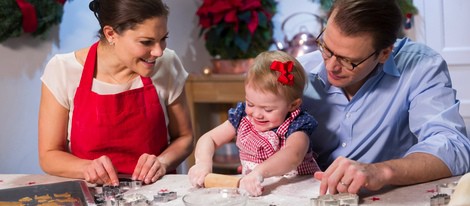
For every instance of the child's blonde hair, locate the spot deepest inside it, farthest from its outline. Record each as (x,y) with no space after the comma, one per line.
(261,77)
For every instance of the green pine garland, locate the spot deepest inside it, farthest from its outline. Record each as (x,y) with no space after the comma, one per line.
(407,7)
(48,13)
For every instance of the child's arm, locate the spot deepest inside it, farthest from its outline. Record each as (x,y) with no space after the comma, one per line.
(282,162)
(205,149)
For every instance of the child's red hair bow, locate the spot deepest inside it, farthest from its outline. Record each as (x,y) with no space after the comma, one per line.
(285,68)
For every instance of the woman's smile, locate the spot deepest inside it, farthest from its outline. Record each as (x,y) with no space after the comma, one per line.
(150,63)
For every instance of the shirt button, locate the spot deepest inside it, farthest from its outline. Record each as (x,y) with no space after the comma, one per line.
(344,144)
(348,115)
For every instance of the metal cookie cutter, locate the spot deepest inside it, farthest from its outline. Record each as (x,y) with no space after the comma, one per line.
(444,191)
(164,195)
(133,200)
(447,188)
(126,184)
(112,195)
(440,199)
(340,199)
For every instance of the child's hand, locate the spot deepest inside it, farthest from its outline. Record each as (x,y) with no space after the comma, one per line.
(252,183)
(198,172)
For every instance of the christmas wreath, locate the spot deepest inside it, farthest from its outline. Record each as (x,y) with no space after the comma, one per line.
(28,16)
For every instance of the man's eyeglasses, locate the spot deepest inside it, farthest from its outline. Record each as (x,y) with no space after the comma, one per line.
(327,53)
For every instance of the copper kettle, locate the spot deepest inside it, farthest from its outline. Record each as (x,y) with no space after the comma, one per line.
(303,42)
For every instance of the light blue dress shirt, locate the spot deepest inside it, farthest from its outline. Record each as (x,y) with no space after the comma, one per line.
(408,105)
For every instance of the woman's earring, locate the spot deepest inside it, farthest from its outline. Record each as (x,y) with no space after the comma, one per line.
(111,42)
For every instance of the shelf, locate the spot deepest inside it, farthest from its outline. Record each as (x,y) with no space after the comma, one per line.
(202,92)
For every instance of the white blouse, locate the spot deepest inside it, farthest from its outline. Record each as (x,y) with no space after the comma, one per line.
(63,72)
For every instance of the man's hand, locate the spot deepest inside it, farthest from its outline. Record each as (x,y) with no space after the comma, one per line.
(345,175)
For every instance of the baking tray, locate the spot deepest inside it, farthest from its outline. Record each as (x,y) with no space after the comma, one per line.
(77,189)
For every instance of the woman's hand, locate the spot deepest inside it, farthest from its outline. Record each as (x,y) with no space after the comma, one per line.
(198,173)
(101,171)
(252,183)
(149,169)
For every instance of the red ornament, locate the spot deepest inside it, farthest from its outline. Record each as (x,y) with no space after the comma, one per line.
(29,16)
(375,198)
(431,191)
(30,20)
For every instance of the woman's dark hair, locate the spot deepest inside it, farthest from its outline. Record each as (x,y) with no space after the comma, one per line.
(380,18)
(126,14)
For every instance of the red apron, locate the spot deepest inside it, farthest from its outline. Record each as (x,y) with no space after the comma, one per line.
(122,126)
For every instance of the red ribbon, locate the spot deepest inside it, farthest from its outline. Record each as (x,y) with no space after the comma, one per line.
(285,68)
(30,21)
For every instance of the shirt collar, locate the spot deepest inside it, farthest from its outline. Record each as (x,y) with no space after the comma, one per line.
(389,66)
(323,77)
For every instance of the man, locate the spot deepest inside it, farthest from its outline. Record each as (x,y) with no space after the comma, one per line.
(386,109)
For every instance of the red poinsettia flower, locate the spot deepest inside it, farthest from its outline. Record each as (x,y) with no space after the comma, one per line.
(212,12)
(237,21)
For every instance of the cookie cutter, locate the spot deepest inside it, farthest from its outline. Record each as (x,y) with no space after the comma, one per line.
(440,199)
(114,195)
(164,195)
(133,200)
(341,199)
(444,191)
(129,185)
(446,188)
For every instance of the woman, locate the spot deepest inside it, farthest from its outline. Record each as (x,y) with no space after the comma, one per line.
(117,106)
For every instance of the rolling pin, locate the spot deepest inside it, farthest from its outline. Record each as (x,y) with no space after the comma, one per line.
(460,195)
(218,180)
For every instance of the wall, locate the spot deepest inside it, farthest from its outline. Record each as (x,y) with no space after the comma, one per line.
(440,24)
(23,60)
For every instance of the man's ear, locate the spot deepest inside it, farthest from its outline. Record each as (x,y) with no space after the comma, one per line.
(385,53)
(295,104)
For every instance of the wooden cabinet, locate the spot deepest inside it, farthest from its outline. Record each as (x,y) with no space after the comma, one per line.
(212,94)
